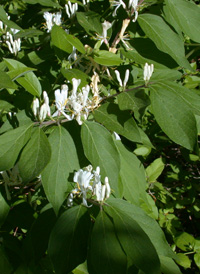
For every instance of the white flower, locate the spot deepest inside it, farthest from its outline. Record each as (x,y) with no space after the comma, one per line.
(117,137)
(75,84)
(148,71)
(117,4)
(102,192)
(13,45)
(134,4)
(52,19)
(125,78)
(85,2)
(36,106)
(61,102)
(106,25)
(73,55)
(88,182)
(71,8)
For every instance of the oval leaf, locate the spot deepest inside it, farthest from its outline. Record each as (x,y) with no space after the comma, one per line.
(29,81)
(68,240)
(177,122)
(63,161)
(105,247)
(35,156)
(187,16)
(107,58)
(157,30)
(11,143)
(100,150)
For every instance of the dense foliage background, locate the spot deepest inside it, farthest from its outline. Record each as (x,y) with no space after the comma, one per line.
(99,144)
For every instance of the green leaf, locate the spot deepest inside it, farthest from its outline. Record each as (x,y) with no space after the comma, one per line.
(187,16)
(5,266)
(4,209)
(60,41)
(90,21)
(185,241)
(190,97)
(14,74)
(157,30)
(165,74)
(5,81)
(105,247)
(100,150)
(29,81)
(75,73)
(132,175)
(183,260)
(135,100)
(154,170)
(168,266)
(134,241)
(37,238)
(197,259)
(47,3)
(141,53)
(74,41)
(28,33)
(35,156)
(68,241)
(63,161)
(107,58)
(177,122)
(4,19)
(121,122)
(5,106)
(11,143)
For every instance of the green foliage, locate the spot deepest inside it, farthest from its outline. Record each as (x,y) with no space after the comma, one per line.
(99,137)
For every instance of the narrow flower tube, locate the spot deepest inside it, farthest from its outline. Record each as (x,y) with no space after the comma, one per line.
(35,106)
(118,77)
(126,78)
(148,71)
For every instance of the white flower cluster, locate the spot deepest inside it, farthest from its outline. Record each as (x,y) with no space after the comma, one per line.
(52,19)
(125,78)
(44,110)
(89,185)
(14,45)
(132,7)
(76,106)
(148,71)
(71,9)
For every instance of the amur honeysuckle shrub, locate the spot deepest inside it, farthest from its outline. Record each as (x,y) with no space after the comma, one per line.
(99,152)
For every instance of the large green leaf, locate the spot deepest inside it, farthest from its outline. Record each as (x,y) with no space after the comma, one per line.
(119,121)
(47,3)
(105,247)
(149,225)
(100,150)
(5,81)
(157,30)
(154,170)
(5,266)
(173,115)
(90,21)
(134,241)
(68,240)
(63,161)
(60,41)
(4,209)
(14,74)
(168,266)
(75,42)
(135,100)
(132,175)
(29,81)
(11,143)
(187,16)
(107,58)
(35,156)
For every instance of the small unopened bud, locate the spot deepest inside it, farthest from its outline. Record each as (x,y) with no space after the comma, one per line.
(35,106)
